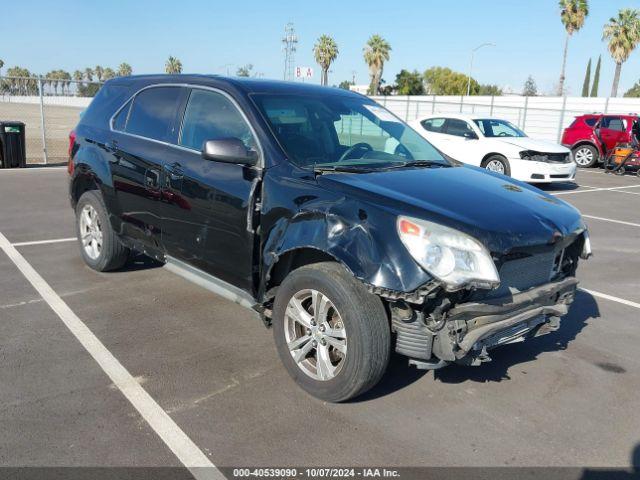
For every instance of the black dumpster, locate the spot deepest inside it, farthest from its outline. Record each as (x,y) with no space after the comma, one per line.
(12,145)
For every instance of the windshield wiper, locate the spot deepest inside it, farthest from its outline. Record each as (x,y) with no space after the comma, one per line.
(420,163)
(344,168)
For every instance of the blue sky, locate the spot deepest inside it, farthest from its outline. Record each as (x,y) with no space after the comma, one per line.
(207,35)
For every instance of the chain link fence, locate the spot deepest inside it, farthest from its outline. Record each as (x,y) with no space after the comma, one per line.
(50,109)
(540,117)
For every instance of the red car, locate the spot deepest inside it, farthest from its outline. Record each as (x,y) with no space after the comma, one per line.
(590,137)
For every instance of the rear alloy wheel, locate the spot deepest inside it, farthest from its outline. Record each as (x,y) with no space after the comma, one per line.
(585,156)
(100,247)
(332,335)
(498,164)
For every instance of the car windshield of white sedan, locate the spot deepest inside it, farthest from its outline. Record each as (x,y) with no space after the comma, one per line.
(338,132)
(498,128)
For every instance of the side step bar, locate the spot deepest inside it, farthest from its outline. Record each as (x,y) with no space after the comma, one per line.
(211,283)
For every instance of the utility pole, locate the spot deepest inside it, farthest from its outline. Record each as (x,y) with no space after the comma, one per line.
(289,42)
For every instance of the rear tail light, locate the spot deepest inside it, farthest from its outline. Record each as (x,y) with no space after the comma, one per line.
(72,141)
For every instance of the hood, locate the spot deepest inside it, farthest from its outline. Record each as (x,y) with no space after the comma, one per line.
(500,212)
(526,143)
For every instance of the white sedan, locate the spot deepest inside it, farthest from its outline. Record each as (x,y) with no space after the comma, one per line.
(499,146)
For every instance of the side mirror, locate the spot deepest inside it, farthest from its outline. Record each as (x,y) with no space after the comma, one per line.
(229,150)
(470,136)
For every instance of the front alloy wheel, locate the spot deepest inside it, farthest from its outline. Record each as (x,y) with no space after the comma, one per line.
(332,335)
(495,166)
(315,335)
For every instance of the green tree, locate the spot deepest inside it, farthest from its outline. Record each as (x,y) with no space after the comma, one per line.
(490,90)
(572,14)
(444,81)
(409,83)
(623,33)
(22,82)
(376,52)
(325,51)
(88,74)
(634,92)
(530,88)
(108,74)
(345,85)
(124,70)
(99,72)
(1,65)
(244,71)
(587,80)
(173,65)
(596,78)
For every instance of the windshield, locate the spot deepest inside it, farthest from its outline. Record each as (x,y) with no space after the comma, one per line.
(340,132)
(498,128)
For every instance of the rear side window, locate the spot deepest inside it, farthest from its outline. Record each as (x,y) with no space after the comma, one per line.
(212,116)
(120,120)
(433,124)
(153,112)
(591,121)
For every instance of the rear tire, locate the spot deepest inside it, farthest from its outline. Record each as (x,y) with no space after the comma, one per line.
(100,247)
(586,156)
(342,304)
(498,164)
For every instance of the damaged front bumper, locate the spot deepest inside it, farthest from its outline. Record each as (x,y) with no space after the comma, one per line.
(468,330)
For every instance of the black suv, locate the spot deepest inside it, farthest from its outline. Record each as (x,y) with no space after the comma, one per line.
(338,224)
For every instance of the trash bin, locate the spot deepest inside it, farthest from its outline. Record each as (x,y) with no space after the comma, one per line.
(12,145)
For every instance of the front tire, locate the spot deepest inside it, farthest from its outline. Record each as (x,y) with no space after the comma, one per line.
(586,156)
(332,335)
(498,164)
(100,247)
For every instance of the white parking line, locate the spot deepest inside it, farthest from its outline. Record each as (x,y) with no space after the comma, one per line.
(612,221)
(624,191)
(170,433)
(44,242)
(612,298)
(39,168)
(594,189)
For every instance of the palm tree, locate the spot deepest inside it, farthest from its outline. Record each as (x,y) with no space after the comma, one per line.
(124,70)
(376,52)
(573,14)
(173,65)
(1,65)
(88,74)
(623,34)
(325,51)
(99,71)
(108,73)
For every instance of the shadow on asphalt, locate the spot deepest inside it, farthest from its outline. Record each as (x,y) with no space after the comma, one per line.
(583,308)
(399,374)
(140,262)
(556,187)
(615,474)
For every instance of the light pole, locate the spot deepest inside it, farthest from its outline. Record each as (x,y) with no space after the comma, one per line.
(473,52)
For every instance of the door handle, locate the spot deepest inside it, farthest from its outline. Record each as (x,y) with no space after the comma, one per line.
(111,146)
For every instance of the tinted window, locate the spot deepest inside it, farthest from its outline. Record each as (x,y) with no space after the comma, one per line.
(120,120)
(433,124)
(212,116)
(459,128)
(591,121)
(153,112)
(614,123)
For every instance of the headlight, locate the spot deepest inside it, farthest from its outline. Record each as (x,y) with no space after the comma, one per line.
(451,256)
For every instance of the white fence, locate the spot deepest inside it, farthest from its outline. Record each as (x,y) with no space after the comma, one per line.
(540,117)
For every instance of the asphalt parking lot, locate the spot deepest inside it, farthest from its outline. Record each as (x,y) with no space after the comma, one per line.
(142,368)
